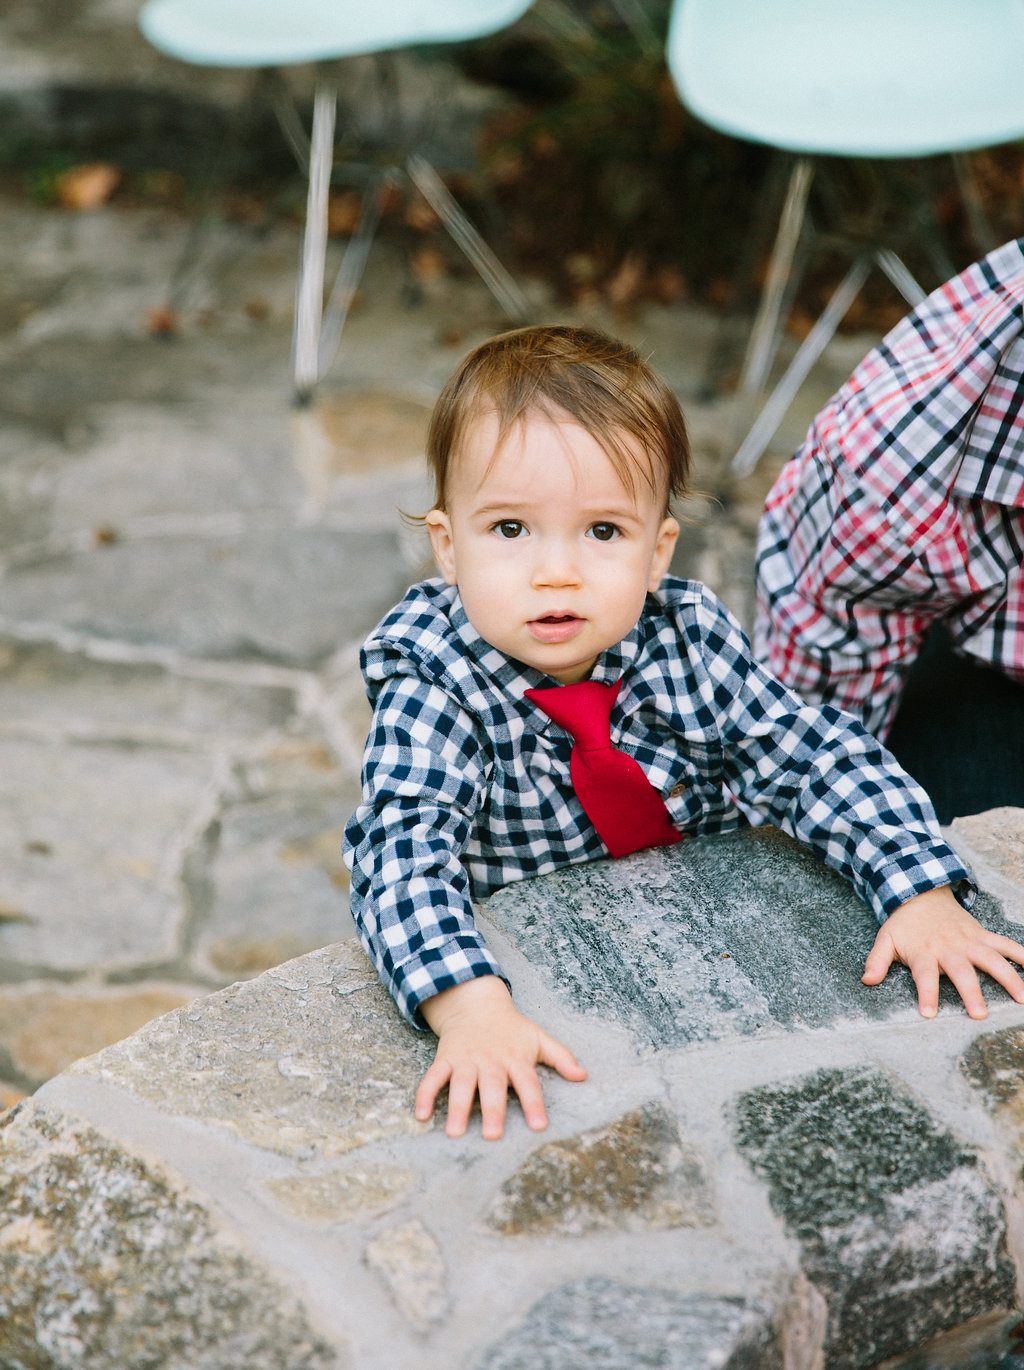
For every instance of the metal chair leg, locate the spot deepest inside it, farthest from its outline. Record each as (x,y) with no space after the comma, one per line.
(309,299)
(774,410)
(350,273)
(766,426)
(495,277)
(764,338)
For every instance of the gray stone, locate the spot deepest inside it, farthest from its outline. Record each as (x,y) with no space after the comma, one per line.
(282,852)
(310,1060)
(105,1262)
(634,1172)
(409,1261)
(44,1027)
(89,836)
(715,938)
(994,1064)
(998,837)
(600,1324)
(150,467)
(341,1196)
(43,689)
(899,1229)
(288,596)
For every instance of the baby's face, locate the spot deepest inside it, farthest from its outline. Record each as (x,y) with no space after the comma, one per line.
(552,555)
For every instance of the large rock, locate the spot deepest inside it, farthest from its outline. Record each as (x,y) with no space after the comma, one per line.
(770,1167)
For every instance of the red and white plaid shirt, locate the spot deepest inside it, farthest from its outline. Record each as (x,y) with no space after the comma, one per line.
(905,505)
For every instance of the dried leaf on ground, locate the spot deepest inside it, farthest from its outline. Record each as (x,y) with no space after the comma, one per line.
(162,322)
(87,186)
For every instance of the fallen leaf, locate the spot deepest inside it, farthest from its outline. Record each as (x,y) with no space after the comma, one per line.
(87,186)
(420,216)
(163,322)
(344,209)
(625,285)
(428,264)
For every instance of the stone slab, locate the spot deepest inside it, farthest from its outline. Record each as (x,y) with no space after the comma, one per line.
(601,1324)
(165,464)
(900,1229)
(45,1027)
(89,852)
(632,1173)
(45,690)
(715,938)
(91,1278)
(310,1060)
(998,837)
(275,885)
(286,595)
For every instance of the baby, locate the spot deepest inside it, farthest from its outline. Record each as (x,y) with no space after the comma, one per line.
(556,453)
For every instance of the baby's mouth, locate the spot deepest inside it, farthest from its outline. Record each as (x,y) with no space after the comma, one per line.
(555,627)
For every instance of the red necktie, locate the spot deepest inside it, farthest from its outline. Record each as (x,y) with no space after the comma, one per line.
(620,801)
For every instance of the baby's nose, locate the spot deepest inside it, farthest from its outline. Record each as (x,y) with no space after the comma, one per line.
(557,564)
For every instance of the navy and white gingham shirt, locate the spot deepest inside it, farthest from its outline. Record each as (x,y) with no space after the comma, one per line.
(466,783)
(905,504)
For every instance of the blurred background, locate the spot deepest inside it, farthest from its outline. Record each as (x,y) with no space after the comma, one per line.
(189,559)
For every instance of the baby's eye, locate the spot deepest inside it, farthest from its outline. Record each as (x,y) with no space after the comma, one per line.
(509,528)
(604,532)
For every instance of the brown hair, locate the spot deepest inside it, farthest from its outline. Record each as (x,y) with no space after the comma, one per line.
(603,385)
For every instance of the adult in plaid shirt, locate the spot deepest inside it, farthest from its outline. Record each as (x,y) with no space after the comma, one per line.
(890,550)
(555,453)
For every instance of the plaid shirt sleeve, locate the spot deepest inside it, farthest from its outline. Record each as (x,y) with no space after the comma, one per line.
(903,505)
(843,601)
(424,771)
(819,775)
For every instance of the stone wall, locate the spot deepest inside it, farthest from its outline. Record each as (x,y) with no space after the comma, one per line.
(771,1167)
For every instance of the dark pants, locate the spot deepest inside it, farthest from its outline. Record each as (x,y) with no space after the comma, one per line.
(959,731)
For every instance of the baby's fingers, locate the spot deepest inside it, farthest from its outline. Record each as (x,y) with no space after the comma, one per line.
(993,961)
(429,1088)
(879,959)
(553,1053)
(462,1089)
(964,978)
(526,1084)
(1007,947)
(925,970)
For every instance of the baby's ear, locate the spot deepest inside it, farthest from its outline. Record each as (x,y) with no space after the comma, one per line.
(663,549)
(440,529)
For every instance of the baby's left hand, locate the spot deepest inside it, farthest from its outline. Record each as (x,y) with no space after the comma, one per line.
(933,935)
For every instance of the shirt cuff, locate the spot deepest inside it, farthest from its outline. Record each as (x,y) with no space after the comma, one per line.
(914,874)
(437,967)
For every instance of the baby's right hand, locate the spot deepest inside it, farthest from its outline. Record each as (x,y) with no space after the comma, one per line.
(484,1046)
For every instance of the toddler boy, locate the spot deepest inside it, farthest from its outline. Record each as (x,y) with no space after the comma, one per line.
(556,453)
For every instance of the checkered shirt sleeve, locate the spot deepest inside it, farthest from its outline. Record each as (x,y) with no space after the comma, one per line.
(424,776)
(905,505)
(815,772)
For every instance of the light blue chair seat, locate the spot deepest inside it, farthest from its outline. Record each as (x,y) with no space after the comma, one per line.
(276,33)
(858,78)
(847,78)
(270,33)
